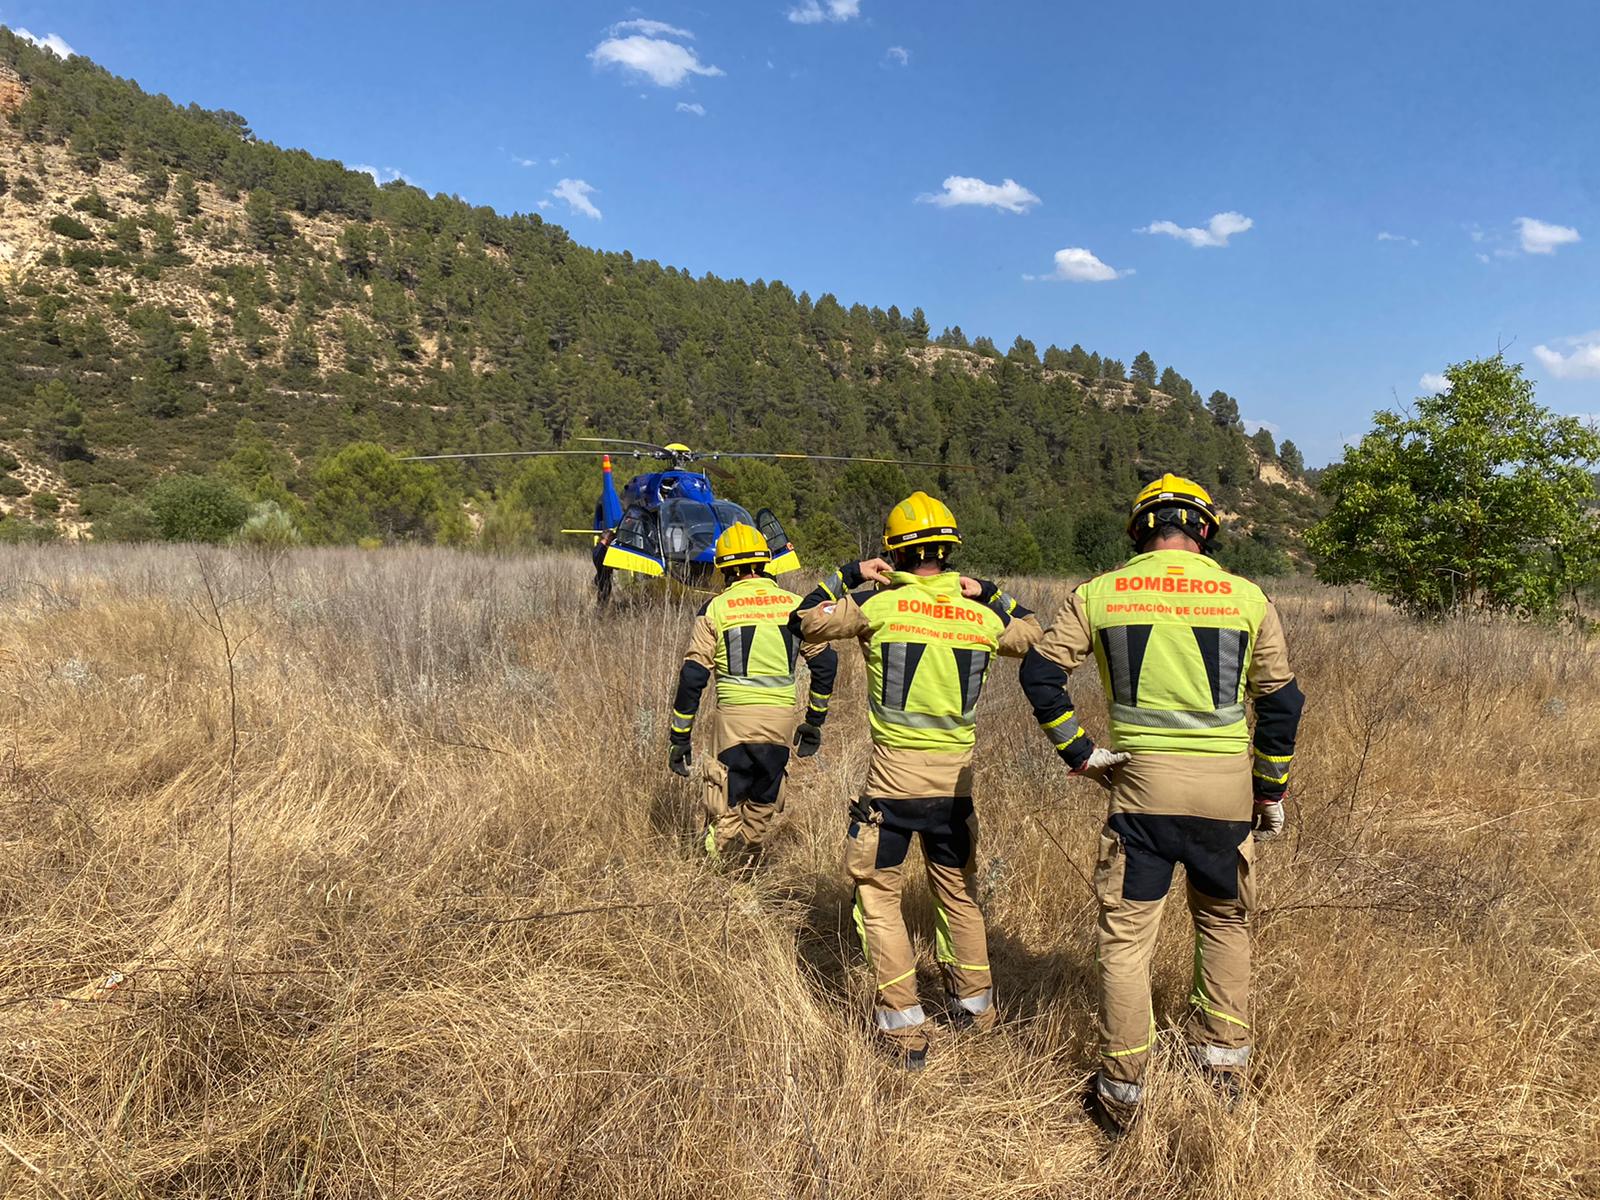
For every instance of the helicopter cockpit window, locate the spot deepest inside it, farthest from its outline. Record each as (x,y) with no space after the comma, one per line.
(688,528)
(729,513)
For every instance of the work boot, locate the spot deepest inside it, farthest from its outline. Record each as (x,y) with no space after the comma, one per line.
(1228,1086)
(1226,1081)
(1114,1117)
(909,1053)
(962,1021)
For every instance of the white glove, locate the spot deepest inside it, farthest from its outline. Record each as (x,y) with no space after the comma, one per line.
(1101,764)
(1268,820)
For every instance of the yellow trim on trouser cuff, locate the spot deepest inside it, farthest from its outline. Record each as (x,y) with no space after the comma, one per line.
(898,978)
(1219,1015)
(1136,1049)
(1061,720)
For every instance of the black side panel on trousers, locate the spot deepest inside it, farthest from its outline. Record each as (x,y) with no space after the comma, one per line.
(924,812)
(1152,844)
(755,772)
(947,842)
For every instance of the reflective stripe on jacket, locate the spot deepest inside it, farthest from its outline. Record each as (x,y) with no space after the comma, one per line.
(755,648)
(1173,634)
(928,651)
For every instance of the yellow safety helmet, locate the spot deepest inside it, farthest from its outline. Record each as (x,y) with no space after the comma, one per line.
(739,545)
(919,520)
(1191,502)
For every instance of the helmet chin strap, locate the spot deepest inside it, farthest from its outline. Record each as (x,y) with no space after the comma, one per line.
(908,558)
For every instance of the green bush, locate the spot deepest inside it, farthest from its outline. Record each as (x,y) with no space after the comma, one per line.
(70,227)
(196,508)
(269,527)
(15,532)
(94,204)
(12,487)
(127,522)
(46,502)
(9,461)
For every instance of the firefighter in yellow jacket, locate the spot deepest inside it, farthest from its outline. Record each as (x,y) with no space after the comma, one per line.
(742,636)
(1180,645)
(928,636)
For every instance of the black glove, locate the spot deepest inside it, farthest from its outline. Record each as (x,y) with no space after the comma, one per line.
(679,759)
(807,740)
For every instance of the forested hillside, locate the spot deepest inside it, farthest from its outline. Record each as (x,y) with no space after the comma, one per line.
(179,299)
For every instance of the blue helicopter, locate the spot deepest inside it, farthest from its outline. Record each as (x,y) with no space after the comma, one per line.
(665,523)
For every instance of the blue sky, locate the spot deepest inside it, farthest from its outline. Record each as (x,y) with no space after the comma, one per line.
(1309,206)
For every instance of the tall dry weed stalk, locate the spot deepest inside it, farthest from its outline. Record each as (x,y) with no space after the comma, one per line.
(457,942)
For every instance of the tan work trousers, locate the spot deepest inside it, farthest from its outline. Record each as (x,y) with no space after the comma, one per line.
(1205,826)
(875,858)
(755,740)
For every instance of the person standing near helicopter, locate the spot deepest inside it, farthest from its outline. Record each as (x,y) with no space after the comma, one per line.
(929,636)
(742,637)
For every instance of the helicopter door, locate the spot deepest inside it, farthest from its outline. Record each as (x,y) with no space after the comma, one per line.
(635,548)
(783,556)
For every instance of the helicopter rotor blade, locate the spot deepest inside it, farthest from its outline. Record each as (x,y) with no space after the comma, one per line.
(660,450)
(899,462)
(511,454)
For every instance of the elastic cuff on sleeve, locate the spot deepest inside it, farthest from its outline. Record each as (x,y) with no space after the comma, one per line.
(1076,754)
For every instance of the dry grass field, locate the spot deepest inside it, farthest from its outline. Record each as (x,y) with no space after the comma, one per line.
(410,909)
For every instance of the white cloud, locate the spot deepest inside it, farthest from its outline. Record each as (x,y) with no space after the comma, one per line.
(1386,236)
(1077,265)
(544,204)
(811,12)
(1540,237)
(383,175)
(898,54)
(524,162)
(663,63)
(1216,231)
(1253,426)
(1433,383)
(1581,360)
(698,110)
(964,189)
(650,29)
(576,193)
(52,42)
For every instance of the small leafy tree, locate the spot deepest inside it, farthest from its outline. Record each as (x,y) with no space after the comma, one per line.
(58,422)
(1478,499)
(364,492)
(193,508)
(1289,458)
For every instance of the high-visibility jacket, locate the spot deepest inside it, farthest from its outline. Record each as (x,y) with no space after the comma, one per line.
(742,637)
(1180,644)
(928,651)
